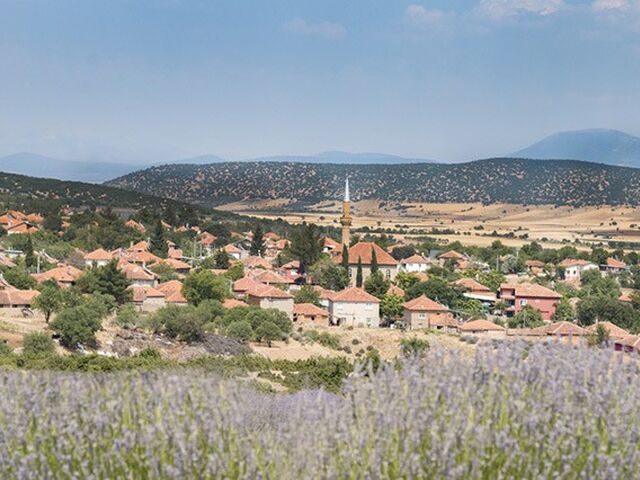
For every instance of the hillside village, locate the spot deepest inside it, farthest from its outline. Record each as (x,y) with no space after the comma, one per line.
(185,281)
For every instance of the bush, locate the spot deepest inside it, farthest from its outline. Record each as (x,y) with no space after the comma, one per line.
(78,326)
(323,338)
(241,331)
(5,349)
(414,347)
(149,353)
(127,316)
(38,344)
(269,332)
(355,341)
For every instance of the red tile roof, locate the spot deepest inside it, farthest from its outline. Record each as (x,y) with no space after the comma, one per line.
(267,291)
(233,303)
(245,284)
(415,259)
(137,272)
(396,290)
(257,262)
(571,262)
(471,285)
(309,310)
(424,304)
(354,295)
(530,290)
(98,255)
(452,254)
(270,277)
(480,326)
(364,251)
(613,330)
(615,263)
(172,291)
(64,274)
(560,328)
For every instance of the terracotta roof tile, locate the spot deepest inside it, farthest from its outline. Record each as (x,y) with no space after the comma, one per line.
(363,250)
(309,309)
(354,295)
(480,326)
(614,330)
(424,304)
(530,290)
(267,291)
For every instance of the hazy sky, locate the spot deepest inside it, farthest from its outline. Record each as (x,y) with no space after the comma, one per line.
(450,80)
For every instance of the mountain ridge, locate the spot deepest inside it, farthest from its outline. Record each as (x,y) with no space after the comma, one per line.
(608,146)
(496,180)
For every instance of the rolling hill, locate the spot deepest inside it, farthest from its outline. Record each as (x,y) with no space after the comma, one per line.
(507,180)
(20,188)
(597,145)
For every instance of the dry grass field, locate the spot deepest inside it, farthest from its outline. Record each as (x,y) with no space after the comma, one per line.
(473,223)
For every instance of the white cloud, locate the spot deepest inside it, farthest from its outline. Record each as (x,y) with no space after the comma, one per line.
(498,9)
(419,15)
(610,5)
(329,30)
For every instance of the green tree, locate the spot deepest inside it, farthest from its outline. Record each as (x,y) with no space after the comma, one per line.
(204,285)
(38,344)
(49,301)
(528,317)
(127,316)
(470,308)
(306,245)
(564,312)
(406,280)
(491,279)
(222,260)
(436,289)
(307,294)
(377,285)
(329,275)
(19,278)
(164,271)
(595,284)
(241,331)
(359,273)
(29,254)
(345,258)
(374,261)
(257,242)
(607,309)
(414,347)
(599,338)
(268,332)
(158,243)
(109,280)
(77,326)
(235,272)
(391,306)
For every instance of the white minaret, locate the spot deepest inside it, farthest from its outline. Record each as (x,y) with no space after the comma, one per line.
(346,216)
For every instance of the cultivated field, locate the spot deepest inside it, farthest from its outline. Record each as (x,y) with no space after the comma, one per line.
(510,411)
(473,223)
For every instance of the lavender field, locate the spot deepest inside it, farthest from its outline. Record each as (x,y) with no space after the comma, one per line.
(541,411)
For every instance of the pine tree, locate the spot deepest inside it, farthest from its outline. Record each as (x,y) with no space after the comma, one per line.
(374,261)
(345,257)
(257,242)
(306,246)
(111,281)
(170,215)
(158,243)
(359,273)
(29,255)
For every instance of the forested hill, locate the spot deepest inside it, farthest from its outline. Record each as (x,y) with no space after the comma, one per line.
(22,189)
(508,180)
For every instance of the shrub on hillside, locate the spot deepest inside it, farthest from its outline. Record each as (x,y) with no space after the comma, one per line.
(38,344)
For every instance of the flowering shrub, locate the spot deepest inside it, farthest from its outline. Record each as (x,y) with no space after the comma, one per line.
(514,411)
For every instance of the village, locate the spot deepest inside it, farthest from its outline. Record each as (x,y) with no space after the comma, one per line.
(347,284)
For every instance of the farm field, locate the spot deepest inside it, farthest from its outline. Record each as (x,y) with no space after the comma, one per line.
(511,411)
(548,224)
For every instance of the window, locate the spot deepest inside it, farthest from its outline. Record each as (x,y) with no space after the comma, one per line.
(422,315)
(523,302)
(368,306)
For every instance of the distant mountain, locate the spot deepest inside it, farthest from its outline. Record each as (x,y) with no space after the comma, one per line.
(508,180)
(200,160)
(339,157)
(35,165)
(597,145)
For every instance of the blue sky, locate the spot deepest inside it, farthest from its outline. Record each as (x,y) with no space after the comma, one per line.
(154,80)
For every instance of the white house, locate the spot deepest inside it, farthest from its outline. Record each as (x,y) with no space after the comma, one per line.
(354,307)
(573,268)
(415,263)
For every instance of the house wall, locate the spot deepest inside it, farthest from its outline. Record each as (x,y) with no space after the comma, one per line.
(415,267)
(389,272)
(355,314)
(312,319)
(417,320)
(546,306)
(144,283)
(283,304)
(575,271)
(152,304)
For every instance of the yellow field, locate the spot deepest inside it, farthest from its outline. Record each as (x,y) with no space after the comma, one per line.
(554,224)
